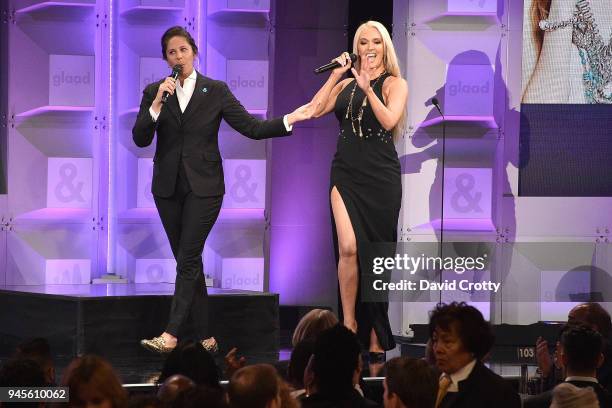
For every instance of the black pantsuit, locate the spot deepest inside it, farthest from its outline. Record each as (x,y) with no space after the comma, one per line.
(188,184)
(187,220)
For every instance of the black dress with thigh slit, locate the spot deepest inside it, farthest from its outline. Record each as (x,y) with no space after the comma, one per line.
(366,172)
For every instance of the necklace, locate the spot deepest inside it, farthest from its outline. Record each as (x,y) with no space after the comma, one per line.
(349,108)
(595,55)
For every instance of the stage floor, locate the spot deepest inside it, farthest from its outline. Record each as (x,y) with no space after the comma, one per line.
(110,319)
(116,289)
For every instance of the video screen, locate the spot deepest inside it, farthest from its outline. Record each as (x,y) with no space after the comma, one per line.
(567,53)
(565,143)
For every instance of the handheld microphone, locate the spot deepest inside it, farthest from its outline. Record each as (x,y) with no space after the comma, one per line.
(436,103)
(176,71)
(334,64)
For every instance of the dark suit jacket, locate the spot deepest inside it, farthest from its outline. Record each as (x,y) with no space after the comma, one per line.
(482,389)
(604,373)
(353,400)
(544,399)
(191,137)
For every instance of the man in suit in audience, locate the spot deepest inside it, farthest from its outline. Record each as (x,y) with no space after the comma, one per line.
(461,338)
(595,316)
(409,383)
(333,372)
(580,354)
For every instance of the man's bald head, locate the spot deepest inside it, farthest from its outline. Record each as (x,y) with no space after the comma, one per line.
(593,315)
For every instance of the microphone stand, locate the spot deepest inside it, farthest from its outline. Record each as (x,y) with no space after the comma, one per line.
(442,198)
(443,171)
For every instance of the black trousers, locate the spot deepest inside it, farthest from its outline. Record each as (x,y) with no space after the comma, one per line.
(187,220)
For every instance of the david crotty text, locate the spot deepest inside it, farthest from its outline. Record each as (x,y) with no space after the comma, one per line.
(424,284)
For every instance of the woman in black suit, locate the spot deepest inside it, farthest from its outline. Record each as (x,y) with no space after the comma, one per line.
(187,182)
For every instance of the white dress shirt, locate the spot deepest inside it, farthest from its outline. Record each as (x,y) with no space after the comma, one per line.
(460,375)
(583,379)
(184,93)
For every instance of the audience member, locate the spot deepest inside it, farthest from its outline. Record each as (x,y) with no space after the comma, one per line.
(233,362)
(192,360)
(172,387)
(409,383)
(313,323)
(309,326)
(144,401)
(297,365)
(461,338)
(594,315)
(21,372)
(336,368)
(93,382)
(200,396)
(258,386)
(38,349)
(580,353)
(566,395)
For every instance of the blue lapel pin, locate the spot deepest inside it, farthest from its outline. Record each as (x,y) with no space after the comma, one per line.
(204,90)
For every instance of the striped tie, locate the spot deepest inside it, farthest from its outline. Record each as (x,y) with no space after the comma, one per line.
(445,382)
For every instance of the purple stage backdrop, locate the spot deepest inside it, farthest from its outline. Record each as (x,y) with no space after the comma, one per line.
(78,206)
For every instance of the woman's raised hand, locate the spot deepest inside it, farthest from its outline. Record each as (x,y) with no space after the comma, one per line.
(363,76)
(168,85)
(345,61)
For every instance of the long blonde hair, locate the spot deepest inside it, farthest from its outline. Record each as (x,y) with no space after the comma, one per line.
(539,11)
(313,323)
(389,61)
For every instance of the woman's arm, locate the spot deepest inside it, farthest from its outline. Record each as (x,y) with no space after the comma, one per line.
(397,94)
(324,100)
(396,90)
(243,122)
(144,128)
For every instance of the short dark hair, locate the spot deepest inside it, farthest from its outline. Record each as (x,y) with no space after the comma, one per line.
(582,346)
(596,316)
(253,386)
(299,361)
(413,381)
(201,396)
(177,31)
(335,359)
(192,360)
(37,349)
(21,372)
(144,401)
(473,330)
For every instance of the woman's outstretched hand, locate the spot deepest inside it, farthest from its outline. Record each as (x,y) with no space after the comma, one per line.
(304,112)
(363,76)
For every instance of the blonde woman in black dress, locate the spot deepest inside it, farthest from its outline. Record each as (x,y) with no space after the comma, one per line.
(365,187)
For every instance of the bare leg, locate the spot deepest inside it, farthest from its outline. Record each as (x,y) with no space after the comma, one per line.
(347,264)
(375,347)
(374,343)
(348,275)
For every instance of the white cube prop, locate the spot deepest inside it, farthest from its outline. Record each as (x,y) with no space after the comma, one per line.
(69,182)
